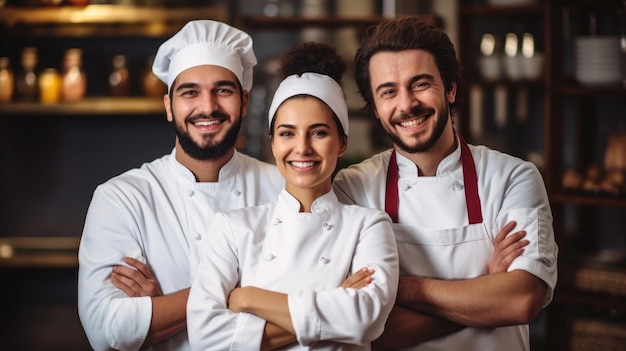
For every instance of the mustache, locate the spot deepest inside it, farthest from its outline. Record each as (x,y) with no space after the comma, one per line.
(417,111)
(214,115)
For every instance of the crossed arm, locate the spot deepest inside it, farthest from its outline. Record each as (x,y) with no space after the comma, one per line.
(427,308)
(169,311)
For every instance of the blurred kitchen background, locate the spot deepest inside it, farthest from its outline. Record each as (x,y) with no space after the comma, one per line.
(544,80)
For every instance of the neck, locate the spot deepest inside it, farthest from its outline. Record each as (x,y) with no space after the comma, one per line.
(427,162)
(203,170)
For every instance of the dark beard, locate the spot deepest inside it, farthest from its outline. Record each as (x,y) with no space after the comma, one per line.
(439,128)
(211,152)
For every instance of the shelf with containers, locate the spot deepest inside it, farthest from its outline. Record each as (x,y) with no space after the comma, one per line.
(574,132)
(55,154)
(587,179)
(506,56)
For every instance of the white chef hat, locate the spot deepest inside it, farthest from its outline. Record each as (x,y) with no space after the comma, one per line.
(318,85)
(206,42)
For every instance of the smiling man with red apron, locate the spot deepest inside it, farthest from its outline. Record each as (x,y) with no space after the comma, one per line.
(448,199)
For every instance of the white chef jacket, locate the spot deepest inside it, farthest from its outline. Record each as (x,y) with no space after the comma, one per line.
(158,214)
(434,236)
(305,255)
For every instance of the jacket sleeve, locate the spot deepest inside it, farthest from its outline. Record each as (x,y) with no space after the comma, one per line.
(526,202)
(110,318)
(350,315)
(210,324)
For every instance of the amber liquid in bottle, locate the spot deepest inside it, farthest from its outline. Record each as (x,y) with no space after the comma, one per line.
(74,78)
(6,81)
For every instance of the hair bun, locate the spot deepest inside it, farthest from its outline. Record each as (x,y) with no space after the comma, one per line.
(312,57)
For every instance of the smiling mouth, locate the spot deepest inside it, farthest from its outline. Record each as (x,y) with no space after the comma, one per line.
(413,122)
(206,123)
(302,164)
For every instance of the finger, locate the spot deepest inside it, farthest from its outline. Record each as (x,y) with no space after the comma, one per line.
(505,231)
(512,238)
(129,273)
(120,282)
(514,248)
(506,262)
(362,283)
(140,266)
(355,278)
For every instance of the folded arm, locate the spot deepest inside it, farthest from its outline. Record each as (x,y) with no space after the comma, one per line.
(494,300)
(273,307)
(407,327)
(169,312)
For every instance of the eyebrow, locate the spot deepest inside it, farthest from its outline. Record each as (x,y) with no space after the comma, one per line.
(312,126)
(414,79)
(220,83)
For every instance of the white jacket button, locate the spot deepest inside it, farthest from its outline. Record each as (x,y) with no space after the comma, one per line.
(269,257)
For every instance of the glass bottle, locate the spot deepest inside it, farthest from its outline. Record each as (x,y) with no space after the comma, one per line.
(152,86)
(50,86)
(26,80)
(6,80)
(74,78)
(119,79)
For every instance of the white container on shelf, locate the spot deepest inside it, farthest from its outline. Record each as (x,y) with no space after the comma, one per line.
(597,60)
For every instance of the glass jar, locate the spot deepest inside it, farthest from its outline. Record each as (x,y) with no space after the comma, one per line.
(50,86)
(26,78)
(119,79)
(74,78)
(6,81)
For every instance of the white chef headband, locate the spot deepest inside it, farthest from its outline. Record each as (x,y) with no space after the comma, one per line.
(318,85)
(206,42)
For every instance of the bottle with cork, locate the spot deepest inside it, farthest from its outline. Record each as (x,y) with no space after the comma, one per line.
(119,79)
(26,78)
(73,77)
(6,80)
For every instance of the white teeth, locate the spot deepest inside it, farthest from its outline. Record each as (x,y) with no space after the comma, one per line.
(302,164)
(413,122)
(206,123)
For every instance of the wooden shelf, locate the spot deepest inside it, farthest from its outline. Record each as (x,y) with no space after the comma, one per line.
(578,90)
(571,298)
(88,106)
(103,20)
(263,22)
(590,199)
(495,11)
(37,252)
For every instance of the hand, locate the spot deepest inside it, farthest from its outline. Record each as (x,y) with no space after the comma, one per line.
(359,279)
(137,281)
(506,248)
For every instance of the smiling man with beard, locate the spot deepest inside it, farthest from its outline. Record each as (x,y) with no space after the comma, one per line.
(139,249)
(466,283)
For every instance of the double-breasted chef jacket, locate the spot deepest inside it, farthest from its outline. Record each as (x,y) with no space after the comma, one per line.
(157,214)
(436,237)
(305,255)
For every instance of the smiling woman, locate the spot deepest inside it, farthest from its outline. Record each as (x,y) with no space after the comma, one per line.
(315,262)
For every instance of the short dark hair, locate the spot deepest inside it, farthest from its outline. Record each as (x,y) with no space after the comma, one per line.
(405,33)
